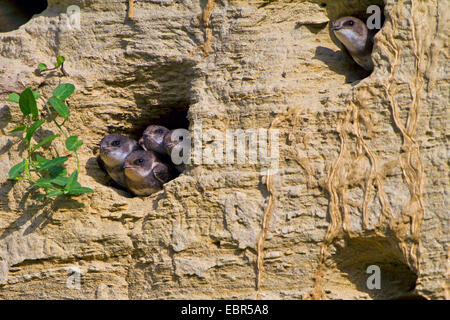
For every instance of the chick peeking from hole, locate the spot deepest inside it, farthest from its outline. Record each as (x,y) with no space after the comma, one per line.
(145,173)
(171,143)
(114,149)
(357,39)
(153,137)
(163,141)
(141,167)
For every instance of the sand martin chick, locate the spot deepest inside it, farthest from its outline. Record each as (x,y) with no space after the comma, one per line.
(145,173)
(171,140)
(114,149)
(355,36)
(152,139)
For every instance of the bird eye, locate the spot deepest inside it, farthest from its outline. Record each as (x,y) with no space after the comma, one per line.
(350,23)
(158,131)
(139,161)
(115,143)
(180,138)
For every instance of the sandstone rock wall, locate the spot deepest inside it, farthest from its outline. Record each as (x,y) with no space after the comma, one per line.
(363,176)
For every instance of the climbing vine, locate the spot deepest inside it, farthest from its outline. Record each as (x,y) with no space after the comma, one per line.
(49,175)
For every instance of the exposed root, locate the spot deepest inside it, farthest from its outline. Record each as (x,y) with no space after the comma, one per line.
(351,155)
(206,15)
(263,234)
(266,218)
(410,161)
(130,9)
(294,114)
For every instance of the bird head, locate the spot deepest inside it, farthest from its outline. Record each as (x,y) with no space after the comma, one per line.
(114,148)
(352,32)
(174,138)
(139,164)
(153,138)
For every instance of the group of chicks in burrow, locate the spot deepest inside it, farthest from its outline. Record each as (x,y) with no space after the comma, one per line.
(141,167)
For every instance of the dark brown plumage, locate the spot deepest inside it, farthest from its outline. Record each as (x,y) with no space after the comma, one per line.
(114,149)
(145,173)
(152,138)
(354,35)
(171,140)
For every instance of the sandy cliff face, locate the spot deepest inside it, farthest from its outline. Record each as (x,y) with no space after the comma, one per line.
(363,172)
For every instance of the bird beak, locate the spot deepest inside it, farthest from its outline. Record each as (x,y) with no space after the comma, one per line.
(168,145)
(336,28)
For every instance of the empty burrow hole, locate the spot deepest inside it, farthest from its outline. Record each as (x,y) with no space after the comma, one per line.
(162,94)
(15,13)
(353,256)
(341,61)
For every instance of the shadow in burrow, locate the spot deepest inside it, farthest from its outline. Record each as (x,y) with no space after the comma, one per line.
(341,63)
(353,258)
(18,12)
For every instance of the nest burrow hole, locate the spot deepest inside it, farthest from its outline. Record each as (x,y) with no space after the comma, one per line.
(397,280)
(358,9)
(15,13)
(162,94)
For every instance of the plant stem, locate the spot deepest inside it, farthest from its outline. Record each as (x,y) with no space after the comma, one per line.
(27,172)
(28,161)
(64,134)
(61,67)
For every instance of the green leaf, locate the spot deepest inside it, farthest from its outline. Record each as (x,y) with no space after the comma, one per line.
(27,103)
(44,183)
(63,91)
(27,168)
(18,169)
(19,129)
(76,184)
(41,160)
(45,141)
(57,171)
(52,163)
(32,129)
(13,97)
(72,143)
(59,61)
(42,66)
(59,107)
(61,181)
(55,193)
(36,94)
(72,179)
(80,190)
(28,97)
